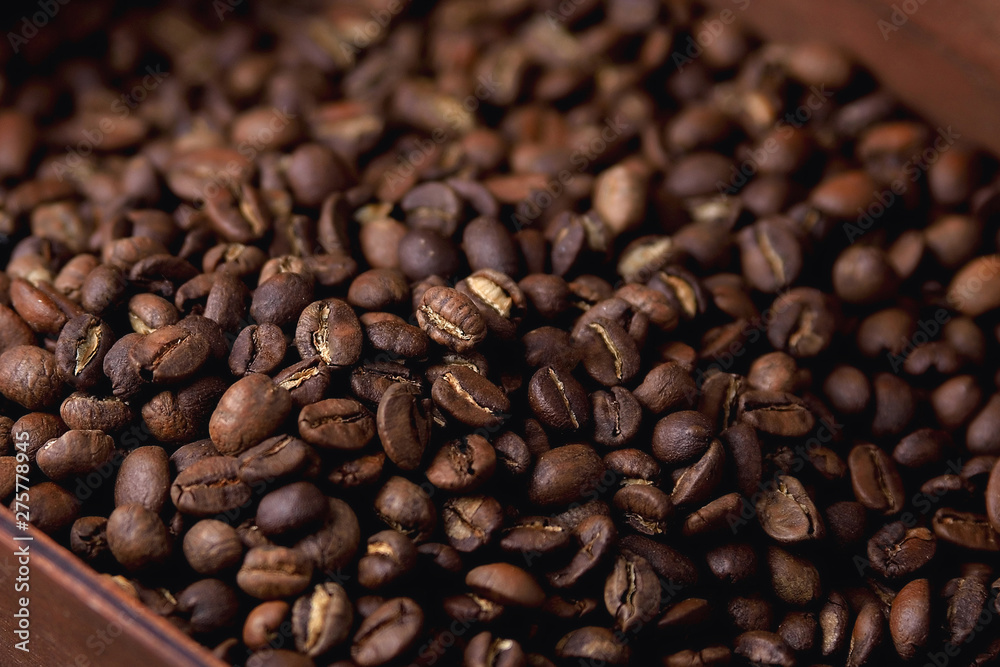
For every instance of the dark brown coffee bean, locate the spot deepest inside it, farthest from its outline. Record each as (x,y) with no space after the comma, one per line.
(707,657)
(88,538)
(632,592)
(558,399)
(485,650)
(33,430)
(390,556)
(505,584)
(732,563)
(15,330)
(423,253)
(895,551)
(144,478)
(787,513)
(278,458)
(388,632)
(592,644)
(75,453)
(271,572)
(29,376)
(208,605)
(118,367)
(743,446)
(697,482)
(910,618)
(280,299)
(548,346)
(169,355)
(876,482)
(921,448)
(801,322)
(210,486)
(866,636)
(681,436)
(42,306)
(336,423)
(137,537)
(974,289)
(103,413)
(646,509)
(211,546)
(667,561)
(766,648)
(565,474)
(617,416)
(250,410)
(470,398)
(330,330)
(666,387)
(770,254)
(451,319)
(794,579)
(463,465)
(610,355)
(751,613)
(291,509)
(333,545)
(470,522)
(982,435)
(178,416)
(406,507)
(776,413)
(535,535)
(967,595)
(404,427)
(596,536)
(322,619)
(965,529)
(83,343)
(259,348)
(53,508)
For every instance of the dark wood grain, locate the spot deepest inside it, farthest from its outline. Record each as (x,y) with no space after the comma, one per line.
(943,60)
(79,619)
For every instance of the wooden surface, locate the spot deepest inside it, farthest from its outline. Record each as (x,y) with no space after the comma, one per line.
(79,620)
(943,60)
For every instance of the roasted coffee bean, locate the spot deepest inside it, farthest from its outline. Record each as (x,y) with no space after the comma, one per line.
(770,254)
(965,529)
(330,330)
(272,572)
(707,657)
(29,376)
(485,650)
(210,486)
(103,413)
(379,289)
(681,436)
(610,355)
(762,647)
(88,538)
(276,459)
(895,551)
(666,387)
(291,509)
(787,513)
(212,546)
(250,410)
(470,522)
(306,382)
(592,644)
(697,482)
(505,584)
(390,555)
(632,592)
(322,619)
(558,399)
(470,398)
(178,416)
(406,507)
(387,632)
(499,300)
(170,354)
(751,613)
(565,474)
(596,536)
(967,596)
(451,319)
(264,623)
(208,605)
(144,478)
(535,535)
(280,299)
(336,423)
(74,454)
(877,484)
(776,413)
(137,537)
(866,636)
(910,618)
(462,465)
(333,545)
(41,306)
(667,561)
(259,348)
(83,343)
(732,563)
(53,508)
(795,580)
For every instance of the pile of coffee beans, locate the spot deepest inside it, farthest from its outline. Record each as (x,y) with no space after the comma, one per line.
(500,333)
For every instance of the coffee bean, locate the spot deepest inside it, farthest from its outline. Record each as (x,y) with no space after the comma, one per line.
(470,398)
(388,632)
(451,319)
(632,592)
(593,644)
(232,429)
(485,650)
(144,478)
(306,382)
(462,465)
(565,474)
(279,300)
(666,387)
(259,348)
(103,413)
(470,522)
(759,646)
(696,483)
(29,376)
(499,299)
(264,623)
(211,547)
(170,354)
(275,459)
(88,539)
(137,537)
(505,584)
(610,355)
(776,413)
(272,572)
(83,343)
(681,436)
(866,636)
(333,545)
(406,507)
(770,255)
(75,453)
(965,529)
(291,509)
(910,618)
(336,423)
(877,484)
(787,513)
(210,486)
(390,556)
(617,416)
(895,551)
(322,619)
(330,330)
(558,399)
